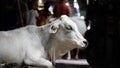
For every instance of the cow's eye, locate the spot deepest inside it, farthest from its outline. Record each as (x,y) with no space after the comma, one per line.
(68,27)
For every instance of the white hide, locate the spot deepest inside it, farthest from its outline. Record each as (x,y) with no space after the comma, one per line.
(40,46)
(80,24)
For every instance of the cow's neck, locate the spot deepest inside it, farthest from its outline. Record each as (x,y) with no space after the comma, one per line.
(47,42)
(55,50)
(44,35)
(50,49)
(61,50)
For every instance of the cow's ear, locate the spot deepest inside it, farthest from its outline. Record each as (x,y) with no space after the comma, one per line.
(53,29)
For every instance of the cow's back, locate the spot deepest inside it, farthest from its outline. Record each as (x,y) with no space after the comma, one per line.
(13,44)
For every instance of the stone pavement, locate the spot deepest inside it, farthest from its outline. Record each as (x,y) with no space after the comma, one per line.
(82,63)
(72,64)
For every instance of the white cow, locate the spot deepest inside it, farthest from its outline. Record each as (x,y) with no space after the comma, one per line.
(40,46)
(82,28)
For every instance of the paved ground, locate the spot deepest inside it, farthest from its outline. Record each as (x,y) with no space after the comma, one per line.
(72,64)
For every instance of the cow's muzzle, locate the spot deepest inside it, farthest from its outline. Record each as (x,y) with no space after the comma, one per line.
(86,43)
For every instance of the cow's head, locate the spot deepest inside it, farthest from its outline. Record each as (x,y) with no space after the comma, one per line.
(66,33)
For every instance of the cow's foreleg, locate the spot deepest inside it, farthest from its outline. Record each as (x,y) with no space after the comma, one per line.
(77,53)
(69,55)
(39,63)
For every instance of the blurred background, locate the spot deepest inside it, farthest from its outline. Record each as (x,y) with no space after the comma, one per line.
(102,15)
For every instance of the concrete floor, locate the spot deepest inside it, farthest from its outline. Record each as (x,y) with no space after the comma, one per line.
(72,64)
(82,63)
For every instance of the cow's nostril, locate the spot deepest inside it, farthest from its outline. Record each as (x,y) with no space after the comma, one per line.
(86,43)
